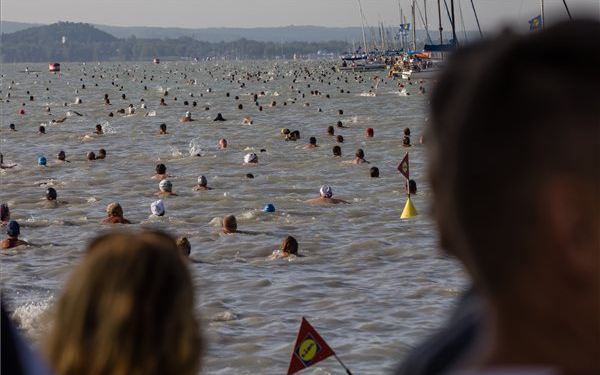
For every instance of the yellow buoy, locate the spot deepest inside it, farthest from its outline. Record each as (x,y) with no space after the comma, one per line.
(409,210)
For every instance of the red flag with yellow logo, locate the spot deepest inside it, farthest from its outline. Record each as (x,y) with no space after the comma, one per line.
(403,167)
(309,348)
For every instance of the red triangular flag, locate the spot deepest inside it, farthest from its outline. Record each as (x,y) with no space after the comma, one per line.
(309,348)
(403,167)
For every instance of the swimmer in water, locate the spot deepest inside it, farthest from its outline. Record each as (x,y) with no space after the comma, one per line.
(4,166)
(158,208)
(115,214)
(222,144)
(162,129)
(337,151)
(325,197)
(251,159)
(98,129)
(51,198)
(62,156)
(202,184)
(289,246)
(4,214)
(360,157)
(341,125)
(166,189)
(229,224)
(374,172)
(312,143)
(161,172)
(13,230)
(101,154)
(330,131)
(247,121)
(406,141)
(369,132)
(91,156)
(184,247)
(219,117)
(187,117)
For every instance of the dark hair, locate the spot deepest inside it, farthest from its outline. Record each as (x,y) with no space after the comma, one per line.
(337,151)
(312,140)
(474,165)
(161,169)
(339,138)
(360,153)
(374,171)
(51,194)
(330,130)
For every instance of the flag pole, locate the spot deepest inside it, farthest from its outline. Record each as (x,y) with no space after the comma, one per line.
(342,363)
(408,180)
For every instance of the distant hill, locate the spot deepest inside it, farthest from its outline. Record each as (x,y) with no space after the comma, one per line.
(67,41)
(53,34)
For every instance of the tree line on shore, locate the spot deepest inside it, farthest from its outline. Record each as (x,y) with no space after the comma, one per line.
(79,42)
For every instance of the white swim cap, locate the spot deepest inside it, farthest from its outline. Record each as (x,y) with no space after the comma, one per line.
(250,158)
(144,105)
(188,114)
(202,181)
(326,191)
(158,208)
(165,185)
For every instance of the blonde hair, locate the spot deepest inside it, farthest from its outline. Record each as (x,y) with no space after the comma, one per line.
(127,309)
(114,209)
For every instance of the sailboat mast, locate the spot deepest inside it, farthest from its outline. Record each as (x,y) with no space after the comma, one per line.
(426,22)
(362,22)
(414,29)
(453,23)
(440,22)
(542,12)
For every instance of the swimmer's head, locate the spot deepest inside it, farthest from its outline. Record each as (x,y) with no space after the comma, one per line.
(61,155)
(4,212)
(183,244)
(188,114)
(51,194)
(91,155)
(406,131)
(101,153)
(369,132)
(285,131)
(330,130)
(114,209)
(250,158)
(289,245)
(269,208)
(337,151)
(202,181)
(374,171)
(222,143)
(161,169)
(42,161)
(360,153)
(249,175)
(163,127)
(99,128)
(42,129)
(12,127)
(339,124)
(229,224)
(13,229)
(326,191)
(165,185)
(312,140)
(158,208)
(339,138)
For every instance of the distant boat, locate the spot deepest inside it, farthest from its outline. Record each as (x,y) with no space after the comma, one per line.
(54,67)
(156,60)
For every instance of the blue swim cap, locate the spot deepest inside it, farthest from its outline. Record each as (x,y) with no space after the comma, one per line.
(41,160)
(269,208)
(13,229)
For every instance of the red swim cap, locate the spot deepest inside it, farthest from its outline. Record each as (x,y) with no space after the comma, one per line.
(22,112)
(369,132)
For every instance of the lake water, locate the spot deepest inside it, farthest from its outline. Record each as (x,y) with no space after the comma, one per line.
(373,285)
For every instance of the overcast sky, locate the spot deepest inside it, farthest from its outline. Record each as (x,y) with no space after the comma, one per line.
(267,13)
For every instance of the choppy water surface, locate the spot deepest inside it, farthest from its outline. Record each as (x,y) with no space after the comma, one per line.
(372,284)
